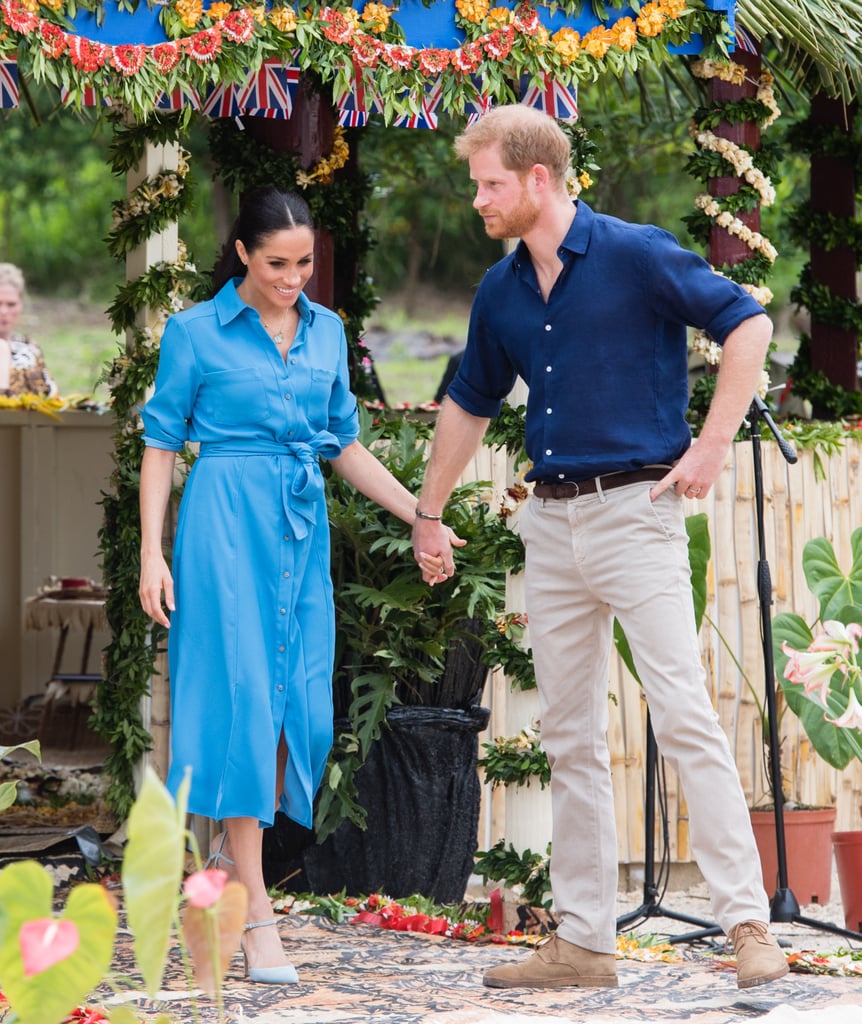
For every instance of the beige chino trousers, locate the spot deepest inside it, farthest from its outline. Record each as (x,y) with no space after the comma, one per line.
(616,553)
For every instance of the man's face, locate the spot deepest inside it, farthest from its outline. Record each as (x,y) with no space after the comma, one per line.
(504,199)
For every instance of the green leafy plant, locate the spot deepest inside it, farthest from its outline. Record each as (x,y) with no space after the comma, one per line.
(516,759)
(529,870)
(49,963)
(9,790)
(398,640)
(818,665)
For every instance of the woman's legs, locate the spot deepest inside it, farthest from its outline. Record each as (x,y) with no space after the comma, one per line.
(262,945)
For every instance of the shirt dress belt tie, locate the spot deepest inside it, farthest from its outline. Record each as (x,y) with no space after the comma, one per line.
(566,489)
(300,490)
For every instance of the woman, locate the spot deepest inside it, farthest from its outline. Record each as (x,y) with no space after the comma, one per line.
(258,375)
(22,367)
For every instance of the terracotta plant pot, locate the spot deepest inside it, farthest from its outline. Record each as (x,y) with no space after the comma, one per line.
(848,860)
(808,842)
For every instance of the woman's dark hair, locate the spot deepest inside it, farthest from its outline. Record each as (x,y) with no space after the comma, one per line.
(262,213)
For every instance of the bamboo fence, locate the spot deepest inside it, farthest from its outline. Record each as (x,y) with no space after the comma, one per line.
(798,506)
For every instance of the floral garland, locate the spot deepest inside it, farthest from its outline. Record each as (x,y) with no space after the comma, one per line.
(722,213)
(158,201)
(516,759)
(225,41)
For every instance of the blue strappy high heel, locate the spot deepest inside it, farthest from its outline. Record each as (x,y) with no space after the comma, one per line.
(284,975)
(218,857)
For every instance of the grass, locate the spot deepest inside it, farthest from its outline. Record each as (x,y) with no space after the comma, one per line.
(76,340)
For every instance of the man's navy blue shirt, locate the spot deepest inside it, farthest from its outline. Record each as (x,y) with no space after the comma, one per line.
(606,358)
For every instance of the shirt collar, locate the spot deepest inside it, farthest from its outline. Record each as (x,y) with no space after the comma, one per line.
(577,237)
(229,305)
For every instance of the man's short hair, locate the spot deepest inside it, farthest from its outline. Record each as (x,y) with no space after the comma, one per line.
(525,136)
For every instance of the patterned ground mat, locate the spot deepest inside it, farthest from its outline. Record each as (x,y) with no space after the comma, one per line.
(355,973)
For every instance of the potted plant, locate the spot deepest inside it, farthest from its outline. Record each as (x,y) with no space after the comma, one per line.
(399,804)
(820,673)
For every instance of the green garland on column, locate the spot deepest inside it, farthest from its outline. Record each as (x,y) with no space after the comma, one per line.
(129,659)
(825,230)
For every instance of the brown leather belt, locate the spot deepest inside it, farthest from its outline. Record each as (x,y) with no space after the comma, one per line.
(571,489)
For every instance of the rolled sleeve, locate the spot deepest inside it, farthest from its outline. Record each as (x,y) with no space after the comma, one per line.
(166,415)
(687,289)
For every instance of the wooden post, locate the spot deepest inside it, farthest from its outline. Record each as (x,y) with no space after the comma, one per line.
(162,246)
(834,350)
(726,249)
(308,134)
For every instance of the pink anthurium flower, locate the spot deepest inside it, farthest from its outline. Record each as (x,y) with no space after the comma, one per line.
(45,942)
(204,888)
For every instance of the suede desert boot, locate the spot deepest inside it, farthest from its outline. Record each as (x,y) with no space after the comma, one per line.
(759,958)
(556,964)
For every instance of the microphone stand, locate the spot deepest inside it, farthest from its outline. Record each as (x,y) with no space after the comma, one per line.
(783,906)
(651,905)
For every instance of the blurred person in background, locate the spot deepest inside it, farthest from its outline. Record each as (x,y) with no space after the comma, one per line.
(22,365)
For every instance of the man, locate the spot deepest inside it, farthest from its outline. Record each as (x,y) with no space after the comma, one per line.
(592,313)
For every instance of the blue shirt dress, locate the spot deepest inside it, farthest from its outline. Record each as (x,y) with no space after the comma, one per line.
(250,648)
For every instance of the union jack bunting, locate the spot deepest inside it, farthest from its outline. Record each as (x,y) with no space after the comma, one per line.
(555,98)
(88,97)
(482,103)
(269,92)
(222,100)
(178,98)
(744,41)
(356,103)
(8,83)
(427,115)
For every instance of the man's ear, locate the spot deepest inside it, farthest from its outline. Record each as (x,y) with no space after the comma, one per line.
(539,175)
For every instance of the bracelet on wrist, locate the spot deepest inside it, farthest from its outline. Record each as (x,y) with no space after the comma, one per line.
(427,515)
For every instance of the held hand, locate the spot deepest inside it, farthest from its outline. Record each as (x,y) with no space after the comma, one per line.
(156,580)
(432,549)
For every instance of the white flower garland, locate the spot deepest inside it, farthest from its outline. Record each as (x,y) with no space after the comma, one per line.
(743,165)
(741,161)
(734,226)
(152,191)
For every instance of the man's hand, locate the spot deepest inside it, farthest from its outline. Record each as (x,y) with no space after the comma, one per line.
(432,549)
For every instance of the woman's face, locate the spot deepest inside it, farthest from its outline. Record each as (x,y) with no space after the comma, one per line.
(10,309)
(278,269)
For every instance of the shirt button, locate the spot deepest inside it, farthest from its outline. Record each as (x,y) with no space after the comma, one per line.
(548,327)
(287,397)
(293,360)
(286,537)
(549,451)
(561,476)
(549,411)
(548,369)
(282,611)
(286,575)
(280,688)
(281,649)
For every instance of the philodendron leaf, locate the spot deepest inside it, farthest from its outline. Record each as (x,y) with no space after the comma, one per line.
(826,579)
(47,996)
(152,873)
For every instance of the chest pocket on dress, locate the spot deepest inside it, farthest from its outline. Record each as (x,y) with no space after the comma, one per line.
(235,396)
(320,392)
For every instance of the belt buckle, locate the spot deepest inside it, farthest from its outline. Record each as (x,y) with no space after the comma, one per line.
(563,489)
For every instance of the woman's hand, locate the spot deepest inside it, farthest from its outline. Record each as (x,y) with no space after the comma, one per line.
(439,567)
(156,580)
